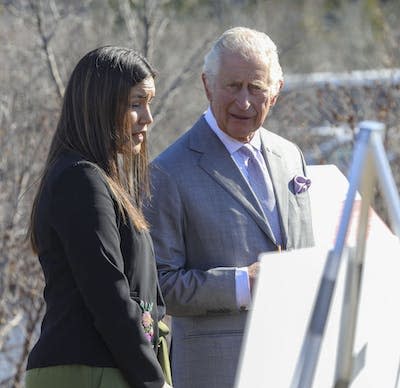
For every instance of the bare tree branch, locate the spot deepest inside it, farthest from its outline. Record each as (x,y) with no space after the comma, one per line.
(191,63)
(51,61)
(129,18)
(9,326)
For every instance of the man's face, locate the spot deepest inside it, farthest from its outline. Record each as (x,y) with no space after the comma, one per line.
(240,95)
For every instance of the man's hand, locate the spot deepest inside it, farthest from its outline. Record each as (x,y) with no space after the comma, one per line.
(253,270)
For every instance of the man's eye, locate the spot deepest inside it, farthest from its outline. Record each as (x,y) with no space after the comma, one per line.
(257,87)
(233,86)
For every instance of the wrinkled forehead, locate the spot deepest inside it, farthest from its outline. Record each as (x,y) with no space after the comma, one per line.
(246,67)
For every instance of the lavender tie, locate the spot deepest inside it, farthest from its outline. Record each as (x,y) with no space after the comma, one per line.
(260,181)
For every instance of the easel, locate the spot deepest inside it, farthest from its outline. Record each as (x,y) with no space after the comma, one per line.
(368,165)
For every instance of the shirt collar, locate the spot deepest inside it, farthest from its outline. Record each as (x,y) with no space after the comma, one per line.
(231,144)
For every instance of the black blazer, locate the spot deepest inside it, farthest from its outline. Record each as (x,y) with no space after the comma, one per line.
(100,275)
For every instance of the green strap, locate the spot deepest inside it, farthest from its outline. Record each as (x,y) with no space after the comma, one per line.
(163,353)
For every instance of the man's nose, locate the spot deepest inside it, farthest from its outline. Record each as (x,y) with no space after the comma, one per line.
(242,99)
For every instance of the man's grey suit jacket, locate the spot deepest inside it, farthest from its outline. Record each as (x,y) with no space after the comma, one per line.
(205,221)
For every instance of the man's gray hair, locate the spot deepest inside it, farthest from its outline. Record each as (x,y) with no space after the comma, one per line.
(246,42)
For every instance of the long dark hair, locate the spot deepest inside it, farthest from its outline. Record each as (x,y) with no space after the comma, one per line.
(94,121)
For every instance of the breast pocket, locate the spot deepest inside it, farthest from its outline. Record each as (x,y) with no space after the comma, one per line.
(299,200)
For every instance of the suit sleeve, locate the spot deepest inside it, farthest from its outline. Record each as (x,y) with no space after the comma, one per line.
(84,217)
(187,291)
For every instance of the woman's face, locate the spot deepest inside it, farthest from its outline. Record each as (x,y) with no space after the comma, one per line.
(140,99)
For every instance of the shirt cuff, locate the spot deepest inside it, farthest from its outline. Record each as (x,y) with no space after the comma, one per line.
(243,297)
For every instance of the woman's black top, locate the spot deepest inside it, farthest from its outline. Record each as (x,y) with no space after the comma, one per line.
(102,295)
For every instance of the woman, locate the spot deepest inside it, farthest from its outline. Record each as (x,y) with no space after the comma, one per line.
(88,230)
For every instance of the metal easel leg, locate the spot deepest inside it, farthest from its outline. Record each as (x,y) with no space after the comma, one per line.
(344,373)
(305,368)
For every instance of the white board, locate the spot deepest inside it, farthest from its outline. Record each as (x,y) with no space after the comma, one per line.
(287,286)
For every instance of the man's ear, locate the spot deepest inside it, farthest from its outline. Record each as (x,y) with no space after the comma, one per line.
(275,98)
(206,85)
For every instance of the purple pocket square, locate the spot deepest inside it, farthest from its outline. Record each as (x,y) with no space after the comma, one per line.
(301,184)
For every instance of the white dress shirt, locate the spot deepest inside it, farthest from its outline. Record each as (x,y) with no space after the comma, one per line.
(243,296)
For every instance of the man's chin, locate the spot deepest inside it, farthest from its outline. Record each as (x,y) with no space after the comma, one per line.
(243,136)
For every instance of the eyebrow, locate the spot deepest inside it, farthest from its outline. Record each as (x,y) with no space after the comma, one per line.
(141,96)
(259,82)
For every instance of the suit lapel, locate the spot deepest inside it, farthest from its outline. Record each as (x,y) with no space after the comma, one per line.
(278,172)
(217,163)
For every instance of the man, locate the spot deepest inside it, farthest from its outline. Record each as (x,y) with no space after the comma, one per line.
(217,205)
